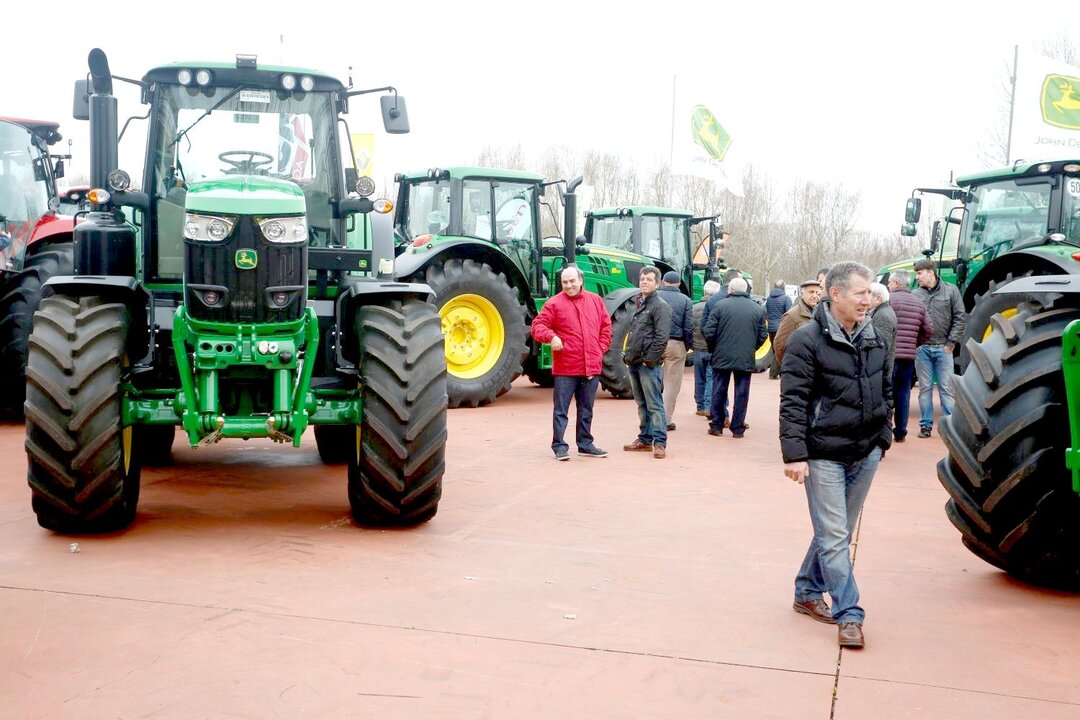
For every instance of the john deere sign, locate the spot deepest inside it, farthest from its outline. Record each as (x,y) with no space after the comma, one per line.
(1061,101)
(708,133)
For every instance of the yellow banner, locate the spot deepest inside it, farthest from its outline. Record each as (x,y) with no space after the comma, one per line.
(363,145)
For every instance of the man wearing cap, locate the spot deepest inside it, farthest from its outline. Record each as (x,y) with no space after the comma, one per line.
(809,296)
(682,338)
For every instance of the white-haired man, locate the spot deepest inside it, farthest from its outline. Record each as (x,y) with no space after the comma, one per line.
(733,332)
(884,319)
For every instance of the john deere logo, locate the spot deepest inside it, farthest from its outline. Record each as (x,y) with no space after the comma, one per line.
(708,133)
(247,259)
(1061,101)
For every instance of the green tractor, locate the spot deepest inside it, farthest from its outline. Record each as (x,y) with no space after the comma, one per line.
(1012,468)
(473,236)
(231,296)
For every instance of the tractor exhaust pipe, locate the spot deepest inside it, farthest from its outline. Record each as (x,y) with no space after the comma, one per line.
(570,221)
(104,156)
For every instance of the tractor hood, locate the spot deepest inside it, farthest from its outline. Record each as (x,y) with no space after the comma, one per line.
(246,195)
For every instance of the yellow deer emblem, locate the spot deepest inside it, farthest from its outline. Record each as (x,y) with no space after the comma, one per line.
(1067,101)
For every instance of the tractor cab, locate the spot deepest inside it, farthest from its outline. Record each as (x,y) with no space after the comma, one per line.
(28,175)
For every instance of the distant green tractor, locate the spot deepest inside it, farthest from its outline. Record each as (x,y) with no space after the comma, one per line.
(1013,471)
(231,295)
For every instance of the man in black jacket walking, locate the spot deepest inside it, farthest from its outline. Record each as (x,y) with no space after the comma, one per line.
(733,332)
(835,406)
(650,329)
(682,339)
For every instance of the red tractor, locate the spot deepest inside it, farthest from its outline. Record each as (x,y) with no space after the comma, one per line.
(35,243)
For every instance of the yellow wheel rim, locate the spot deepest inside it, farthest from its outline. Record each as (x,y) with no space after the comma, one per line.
(474,335)
(126,444)
(1008,312)
(763,349)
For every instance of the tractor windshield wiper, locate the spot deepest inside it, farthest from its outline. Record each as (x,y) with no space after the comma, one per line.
(231,94)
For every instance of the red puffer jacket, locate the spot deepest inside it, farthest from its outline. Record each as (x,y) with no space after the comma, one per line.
(582,323)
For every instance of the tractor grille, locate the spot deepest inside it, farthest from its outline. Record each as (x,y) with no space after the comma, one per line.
(245,294)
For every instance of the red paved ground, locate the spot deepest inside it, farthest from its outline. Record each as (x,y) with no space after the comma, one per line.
(624,587)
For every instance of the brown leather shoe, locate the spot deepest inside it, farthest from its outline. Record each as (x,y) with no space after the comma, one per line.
(637,446)
(851,635)
(817,609)
(659,452)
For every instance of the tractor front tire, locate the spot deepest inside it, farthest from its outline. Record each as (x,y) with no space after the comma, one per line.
(987,305)
(1010,493)
(483,321)
(82,466)
(763,356)
(615,376)
(19,298)
(399,448)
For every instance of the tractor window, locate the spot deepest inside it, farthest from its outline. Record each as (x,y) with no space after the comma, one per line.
(515,229)
(612,232)
(650,237)
(476,209)
(1002,216)
(1071,209)
(427,208)
(676,234)
(217,132)
(23,197)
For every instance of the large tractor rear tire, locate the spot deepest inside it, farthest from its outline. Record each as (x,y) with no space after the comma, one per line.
(538,375)
(19,298)
(396,469)
(615,377)
(483,322)
(987,305)
(82,466)
(1011,495)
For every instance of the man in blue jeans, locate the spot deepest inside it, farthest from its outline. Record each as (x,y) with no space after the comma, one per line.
(934,360)
(702,357)
(650,329)
(835,410)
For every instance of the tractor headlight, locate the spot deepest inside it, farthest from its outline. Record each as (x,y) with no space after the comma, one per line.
(365,186)
(284,229)
(207,228)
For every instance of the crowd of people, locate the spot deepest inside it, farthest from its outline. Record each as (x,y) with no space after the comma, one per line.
(844,352)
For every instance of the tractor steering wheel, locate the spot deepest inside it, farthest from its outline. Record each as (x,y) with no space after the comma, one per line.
(247,162)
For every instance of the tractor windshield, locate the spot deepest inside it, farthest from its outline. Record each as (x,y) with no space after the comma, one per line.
(24,192)
(218,132)
(666,238)
(612,232)
(1002,216)
(427,208)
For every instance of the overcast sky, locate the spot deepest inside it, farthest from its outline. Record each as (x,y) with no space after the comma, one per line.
(880,96)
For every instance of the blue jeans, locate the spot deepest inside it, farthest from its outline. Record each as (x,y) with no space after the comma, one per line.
(933,365)
(648,386)
(903,371)
(721,380)
(835,492)
(702,379)
(583,390)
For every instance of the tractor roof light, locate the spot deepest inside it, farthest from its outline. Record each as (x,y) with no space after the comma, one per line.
(1070,168)
(184,77)
(119,181)
(203,77)
(288,82)
(1043,167)
(365,186)
(307,83)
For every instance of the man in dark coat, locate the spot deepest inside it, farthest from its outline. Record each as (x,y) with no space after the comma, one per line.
(776,305)
(913,328)
(884,319)
(733,333)
(835,406)
(650,329)
(934,359)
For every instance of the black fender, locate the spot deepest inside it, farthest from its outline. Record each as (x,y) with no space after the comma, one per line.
(1064,284)
(1038,261)
(369,291)
(616,299)
(122,289)
(409,265)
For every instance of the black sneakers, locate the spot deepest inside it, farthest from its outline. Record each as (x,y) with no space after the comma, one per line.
(562,454)
(924,432)
(592,452)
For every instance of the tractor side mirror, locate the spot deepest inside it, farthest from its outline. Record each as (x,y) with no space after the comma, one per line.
(913,211)
(58,171)
(935,237)
(81,107)
(395,115)
(909,230)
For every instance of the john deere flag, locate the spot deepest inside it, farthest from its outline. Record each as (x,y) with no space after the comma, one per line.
(700,143)
(1046,109)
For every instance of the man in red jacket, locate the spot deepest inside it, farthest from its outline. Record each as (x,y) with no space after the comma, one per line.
(576,325)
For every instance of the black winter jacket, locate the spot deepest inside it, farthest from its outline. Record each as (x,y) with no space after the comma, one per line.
(734,331)
(835,396)
(650,329)
(682,321)
(775,307)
